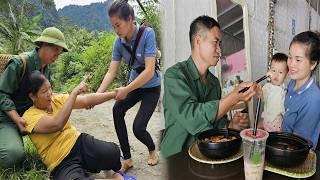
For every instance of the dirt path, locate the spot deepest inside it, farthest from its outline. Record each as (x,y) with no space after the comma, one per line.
(99,123)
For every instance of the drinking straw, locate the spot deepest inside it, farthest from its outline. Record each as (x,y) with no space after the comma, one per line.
(256,117)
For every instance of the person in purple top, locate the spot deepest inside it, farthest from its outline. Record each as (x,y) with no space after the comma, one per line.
(144,81)
(302,114)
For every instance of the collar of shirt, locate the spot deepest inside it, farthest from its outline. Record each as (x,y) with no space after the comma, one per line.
(193,69)
(34,59)
(37,59)
(124,41)
(195,73)
(304,87)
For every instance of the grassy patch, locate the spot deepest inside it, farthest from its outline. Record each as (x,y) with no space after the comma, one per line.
(32,168)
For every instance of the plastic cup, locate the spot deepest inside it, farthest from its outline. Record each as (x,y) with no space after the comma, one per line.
(253,153)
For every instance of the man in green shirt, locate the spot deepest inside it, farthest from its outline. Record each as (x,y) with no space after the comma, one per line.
(14,99)
(192,95)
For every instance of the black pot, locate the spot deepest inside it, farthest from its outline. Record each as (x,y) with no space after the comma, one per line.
(286,149)
(219,150)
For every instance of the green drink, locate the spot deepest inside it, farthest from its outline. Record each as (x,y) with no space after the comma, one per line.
(253,153)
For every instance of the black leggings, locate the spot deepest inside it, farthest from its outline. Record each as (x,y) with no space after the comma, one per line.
(149,98)
(88,155)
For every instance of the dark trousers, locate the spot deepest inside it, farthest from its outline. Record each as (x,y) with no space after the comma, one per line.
(11,145)
(149,98)
(88,155)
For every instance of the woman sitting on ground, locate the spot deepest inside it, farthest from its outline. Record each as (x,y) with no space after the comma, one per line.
(67,153)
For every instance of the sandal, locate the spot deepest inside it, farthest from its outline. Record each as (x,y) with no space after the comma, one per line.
(126,176)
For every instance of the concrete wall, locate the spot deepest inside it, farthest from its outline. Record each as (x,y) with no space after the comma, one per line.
(176,18)
(288,22)
(258,22)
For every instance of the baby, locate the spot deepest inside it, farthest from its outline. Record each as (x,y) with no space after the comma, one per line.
(273,94)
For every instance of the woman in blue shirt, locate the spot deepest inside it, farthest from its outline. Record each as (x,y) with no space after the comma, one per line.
(144,81)
(302,115)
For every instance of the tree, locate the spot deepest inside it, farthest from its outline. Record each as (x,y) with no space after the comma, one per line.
(16,30)
(149,10)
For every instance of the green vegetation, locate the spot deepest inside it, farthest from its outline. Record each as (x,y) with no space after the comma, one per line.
(151,14)
(90,55)
(32,168)
(16,30)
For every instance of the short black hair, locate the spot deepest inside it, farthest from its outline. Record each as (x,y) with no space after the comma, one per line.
(280,57)
(121,9)
(36,79)
(201,22)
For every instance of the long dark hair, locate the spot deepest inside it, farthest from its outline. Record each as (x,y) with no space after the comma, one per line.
(312,41)
(36,79)
(121,9)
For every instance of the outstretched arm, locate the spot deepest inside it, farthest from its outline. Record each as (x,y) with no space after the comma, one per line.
(93,99)
(227,102)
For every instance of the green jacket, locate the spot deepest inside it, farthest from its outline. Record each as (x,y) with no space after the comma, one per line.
(190,106)
(13,88)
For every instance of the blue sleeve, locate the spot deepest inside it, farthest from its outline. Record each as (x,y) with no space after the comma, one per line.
(150,49)
(311,111)
(116,51)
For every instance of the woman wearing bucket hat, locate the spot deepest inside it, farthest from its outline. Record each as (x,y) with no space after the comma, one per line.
(144,81)
(14,99)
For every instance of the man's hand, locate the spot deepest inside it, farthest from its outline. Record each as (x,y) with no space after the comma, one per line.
(247,95)
(21,123)
(240,121)
(18,120)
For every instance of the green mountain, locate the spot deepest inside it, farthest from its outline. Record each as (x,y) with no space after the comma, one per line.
(50,16)
(92,17)
(32,8)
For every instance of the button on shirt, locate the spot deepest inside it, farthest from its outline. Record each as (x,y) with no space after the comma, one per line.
(145,48)
(190,106)
(302,114)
